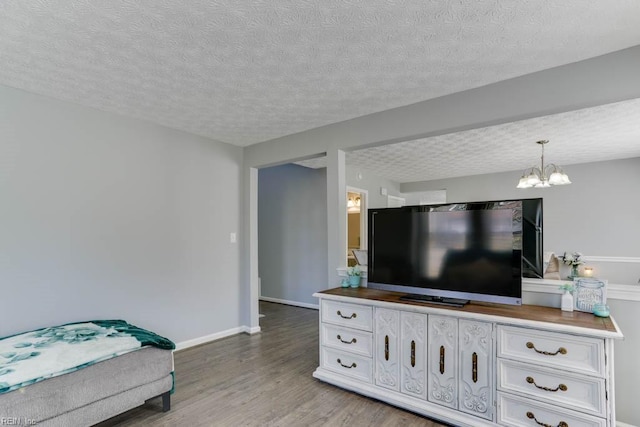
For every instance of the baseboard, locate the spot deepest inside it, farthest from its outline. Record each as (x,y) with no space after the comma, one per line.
(621,424)
(294,303)
(218,335)
(251,331)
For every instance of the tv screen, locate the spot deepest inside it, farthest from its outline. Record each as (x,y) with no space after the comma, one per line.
(532,244)
(461,250)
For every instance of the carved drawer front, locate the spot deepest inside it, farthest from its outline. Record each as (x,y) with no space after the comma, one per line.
(442,361)
(350,315)
(476,359)
(387,353)
(579,354)
(576,391)
(413,349)
(347,364)
(347,339)
(522,412)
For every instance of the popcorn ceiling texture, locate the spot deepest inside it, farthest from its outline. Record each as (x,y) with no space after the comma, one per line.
(606,132)
(247,71)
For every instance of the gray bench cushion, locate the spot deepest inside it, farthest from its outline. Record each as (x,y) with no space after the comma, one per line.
(59,395)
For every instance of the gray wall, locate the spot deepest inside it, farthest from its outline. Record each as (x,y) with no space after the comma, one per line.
(292,227)
(598,215)
(107,217)
(364,179)
(627,374)
(292,232)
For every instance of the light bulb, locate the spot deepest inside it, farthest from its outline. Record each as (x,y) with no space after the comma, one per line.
(533,179)
(523,183)
(556,178)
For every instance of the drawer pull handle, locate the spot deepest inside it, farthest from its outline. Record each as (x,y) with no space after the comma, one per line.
(353,316)
(560,387)
(531,416)
(353,340)
(441,359)
(386,347)
(353,365)
(474,367)
(561,350)
(413,354)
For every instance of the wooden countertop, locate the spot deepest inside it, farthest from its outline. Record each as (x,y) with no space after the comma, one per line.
(604,326)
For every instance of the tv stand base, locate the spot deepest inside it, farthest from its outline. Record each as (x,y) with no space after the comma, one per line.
(482,365)
(451,302)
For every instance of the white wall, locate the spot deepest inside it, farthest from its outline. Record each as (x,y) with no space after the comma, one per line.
(107,217)
(292,232)
(599,215)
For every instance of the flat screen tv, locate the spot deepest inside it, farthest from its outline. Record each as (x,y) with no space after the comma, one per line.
(455,252)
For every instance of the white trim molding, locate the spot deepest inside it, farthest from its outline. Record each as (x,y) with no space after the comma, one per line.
(614,290)
(251,331)
(621,424)
(294,303)
(208,338)
(623,292)
(547,286)
(183,345)
(594,258)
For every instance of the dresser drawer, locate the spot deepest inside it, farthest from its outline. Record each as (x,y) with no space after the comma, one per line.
(578,354)
(347,339)
(349,315)
(522,412)
(576,391)
(347,364)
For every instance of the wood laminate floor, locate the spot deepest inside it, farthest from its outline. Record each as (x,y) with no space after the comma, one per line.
(263,380)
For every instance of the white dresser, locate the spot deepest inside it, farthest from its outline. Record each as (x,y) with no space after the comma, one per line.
(481,365)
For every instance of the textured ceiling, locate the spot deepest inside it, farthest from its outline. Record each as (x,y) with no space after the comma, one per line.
(601,133)
(248,71)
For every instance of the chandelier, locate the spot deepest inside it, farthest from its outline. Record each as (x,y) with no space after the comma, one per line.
(544,176)
(353,204)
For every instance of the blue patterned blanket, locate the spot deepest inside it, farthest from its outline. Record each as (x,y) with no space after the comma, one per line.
(45,353)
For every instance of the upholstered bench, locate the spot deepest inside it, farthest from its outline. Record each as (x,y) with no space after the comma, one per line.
(89,394)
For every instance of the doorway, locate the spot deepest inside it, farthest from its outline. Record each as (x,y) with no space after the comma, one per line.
(356,223)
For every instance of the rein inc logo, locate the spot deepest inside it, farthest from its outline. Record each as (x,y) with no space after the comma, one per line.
(17,421)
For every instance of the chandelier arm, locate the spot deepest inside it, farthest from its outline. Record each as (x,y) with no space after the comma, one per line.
(550,168)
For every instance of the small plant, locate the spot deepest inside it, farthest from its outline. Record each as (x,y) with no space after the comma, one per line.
(567,287)
(354,271)
(572,259)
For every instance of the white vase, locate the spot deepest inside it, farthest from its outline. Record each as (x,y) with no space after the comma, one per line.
(567,301)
